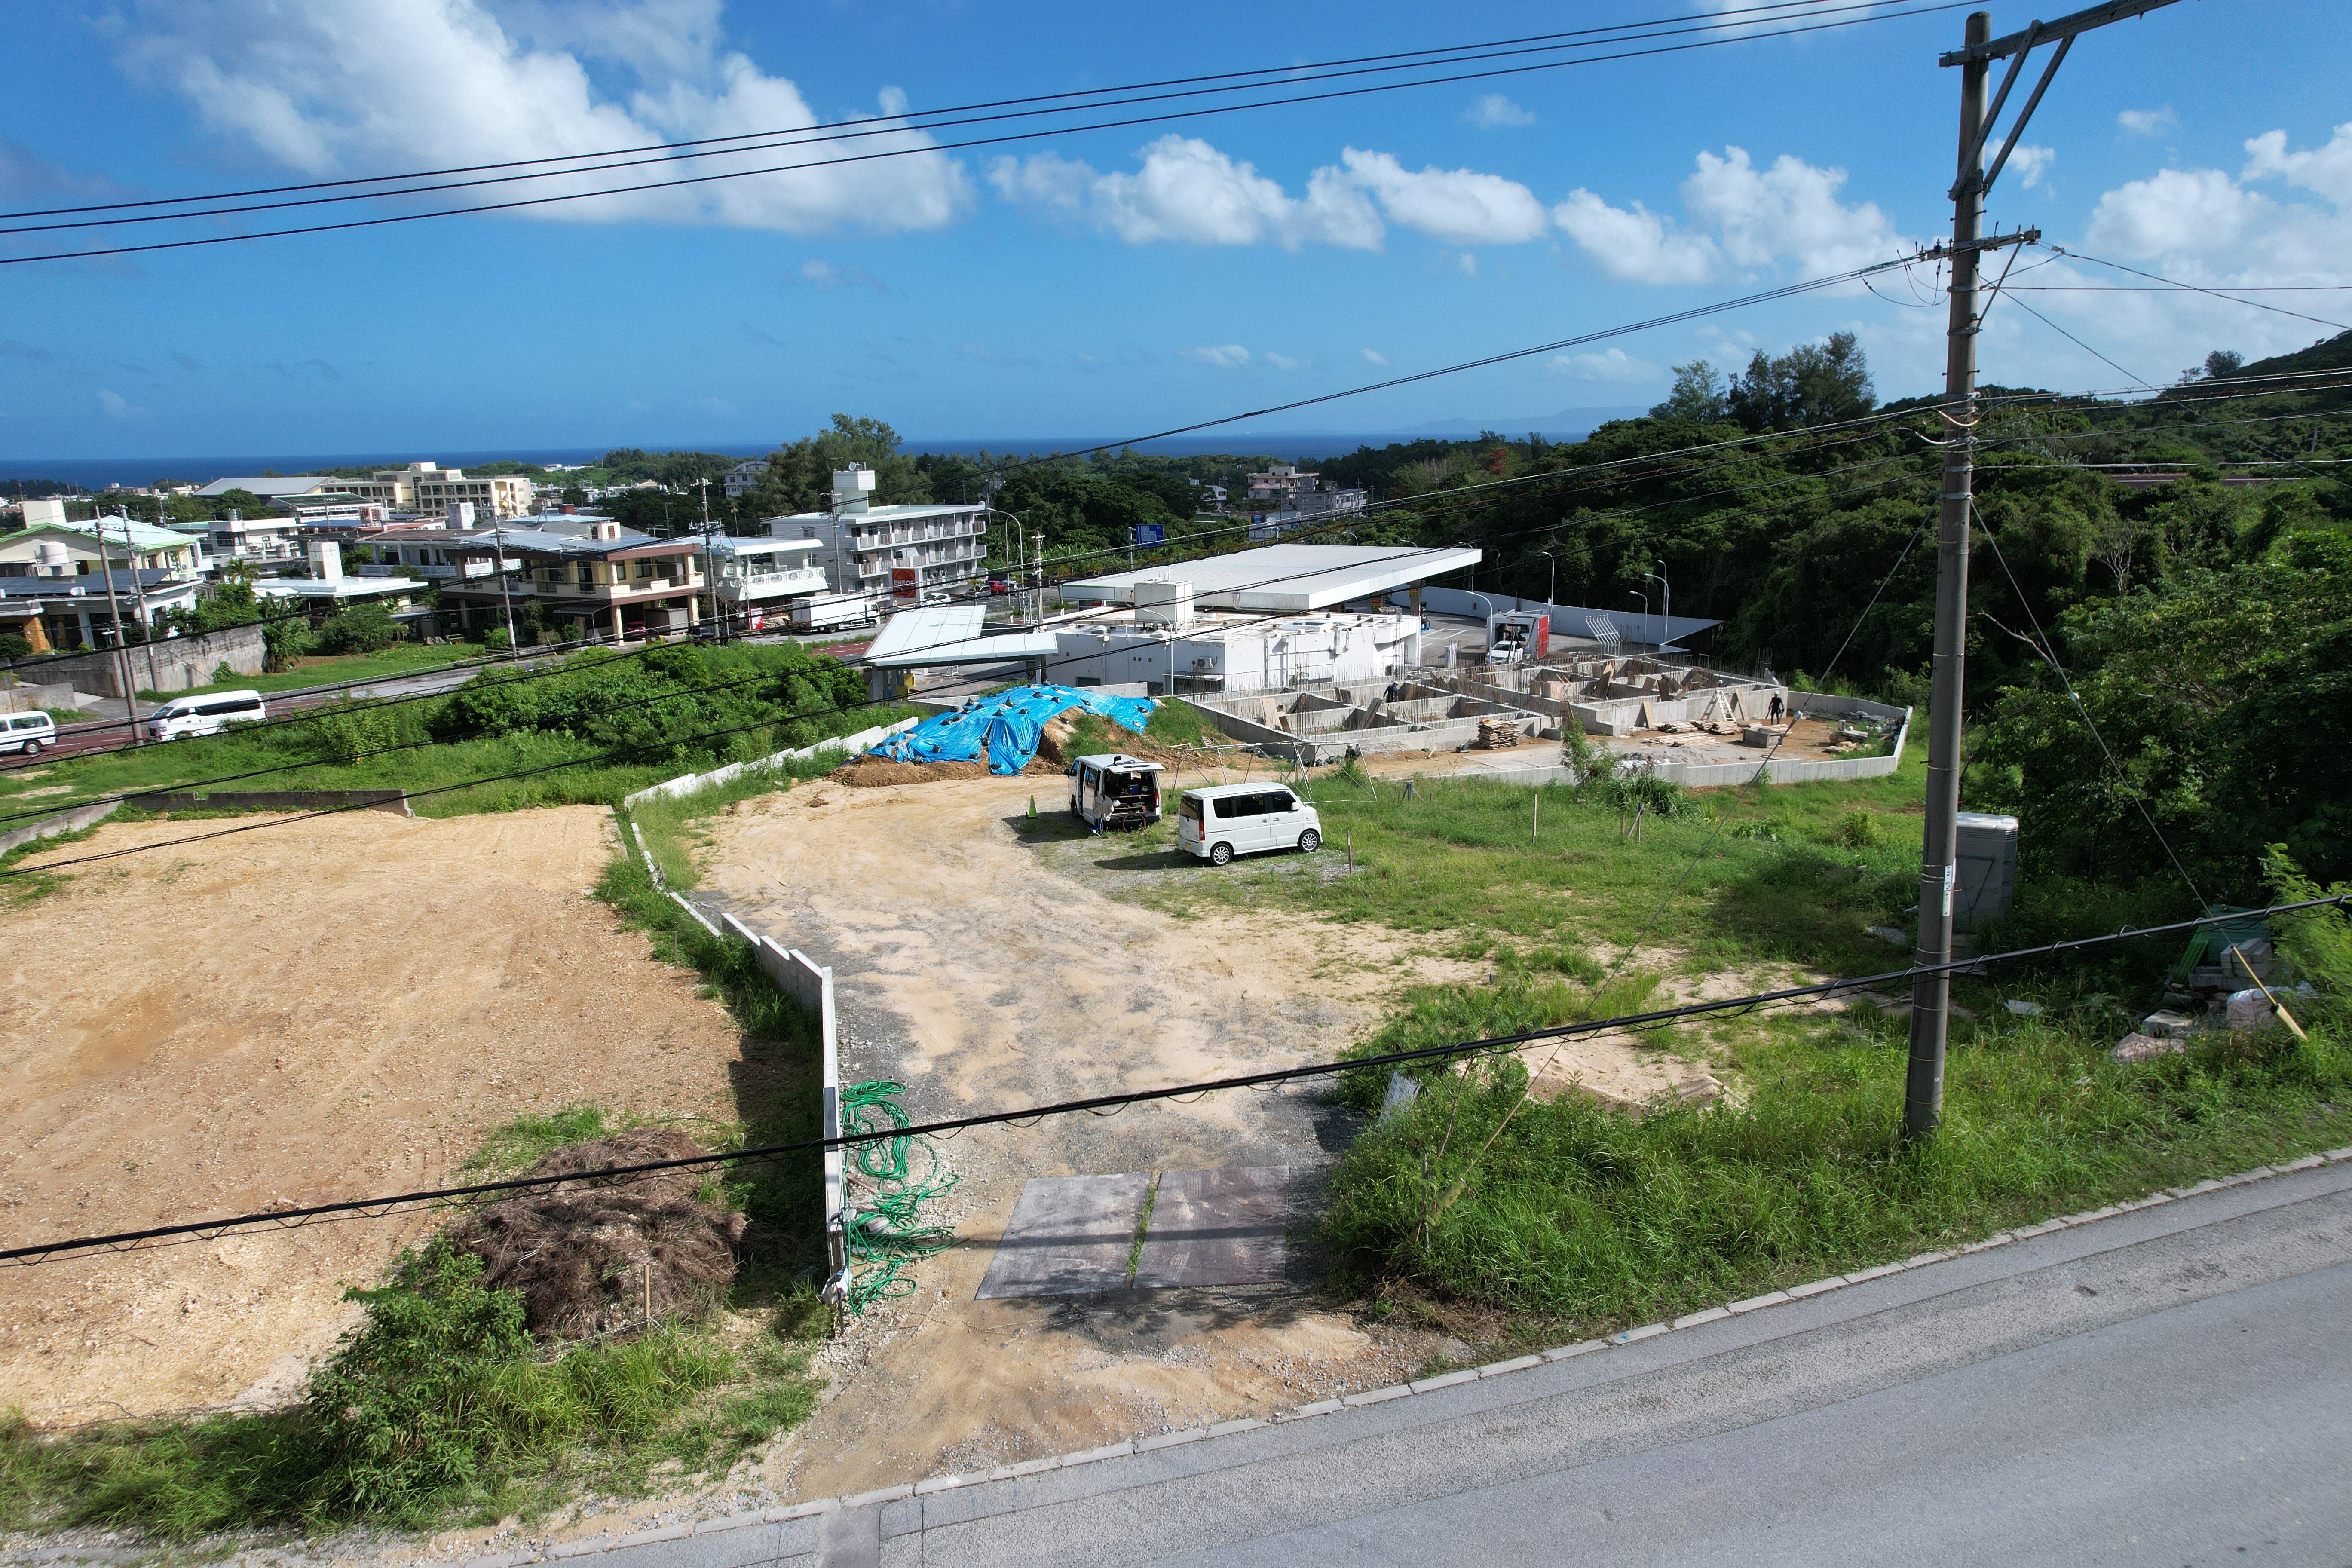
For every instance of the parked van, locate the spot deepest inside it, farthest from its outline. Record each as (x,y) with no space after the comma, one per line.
(1220,823)
(1113,791)
(27,733)
(184,718)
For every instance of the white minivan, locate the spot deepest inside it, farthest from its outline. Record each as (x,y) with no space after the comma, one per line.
(185,717)
(1227,820)
(27,733)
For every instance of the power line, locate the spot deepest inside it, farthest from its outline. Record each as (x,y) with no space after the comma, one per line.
(1002,140)
(916,118)
(896,125)
(2197,288)
(288,1218)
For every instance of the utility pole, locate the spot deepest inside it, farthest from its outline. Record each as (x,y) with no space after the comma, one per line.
(1931,992)
(505,597)
(114,613)
(709,578)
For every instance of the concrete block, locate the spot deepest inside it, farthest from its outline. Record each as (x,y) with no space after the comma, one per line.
(2000,1238)
(800,1510)
(2136,1047)
(1427,1385)
(1376,1395)
(2026,1232)
(1696,1319)
(1860,1275)
(2108,1213)
(1242,1423)
(1025,1467)
(732,1521)
(582,1548)
(1770,1298)
(1921,1260)
(1320,1408)
(2243,1177)
(1108,1451)
(947,1483)
(879,1496)
(1628,1336)
(667,1532)
(1582,1347)
(2308,1162)
(1170,1439)
(1816,1287)
(1519,1363)
(2192,1192)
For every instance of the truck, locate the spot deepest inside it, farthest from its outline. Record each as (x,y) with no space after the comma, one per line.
(823,612)
(1518,636)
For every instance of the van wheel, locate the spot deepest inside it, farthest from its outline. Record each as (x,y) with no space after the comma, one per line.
(1221,854)
(32,748)
(1309,842)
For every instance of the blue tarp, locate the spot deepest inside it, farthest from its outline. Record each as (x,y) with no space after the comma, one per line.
(1007,726)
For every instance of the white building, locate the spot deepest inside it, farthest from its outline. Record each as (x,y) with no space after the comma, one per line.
(261,539)
(906,553)
(745,477)
(419,487)
(758,579)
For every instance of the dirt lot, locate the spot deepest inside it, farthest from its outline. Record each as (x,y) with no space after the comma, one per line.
(983,972)
(294,1015)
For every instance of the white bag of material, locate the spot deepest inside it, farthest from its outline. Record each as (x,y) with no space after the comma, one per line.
(2250,1010)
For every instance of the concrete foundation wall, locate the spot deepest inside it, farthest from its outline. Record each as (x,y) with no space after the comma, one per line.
(72,821)
(173,664)
(1324,724)
(849,745)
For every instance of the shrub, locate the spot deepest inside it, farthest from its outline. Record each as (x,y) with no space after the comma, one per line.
(365,628)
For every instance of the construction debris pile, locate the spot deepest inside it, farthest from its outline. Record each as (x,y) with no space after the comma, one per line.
(610,1254)
(1006,727)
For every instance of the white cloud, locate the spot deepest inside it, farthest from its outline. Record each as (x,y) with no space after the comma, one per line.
(1634,243)
(1612,364)
(370,84)
(1459,206)
(2326,170)
(2147,121)
(1467,263)
(2032,162)
(1751,217)
(2174,210)
(1787,212)
(1185,190)
(114,405)
(1373,356)
(1002,358)
(1225,356)
(1493,111)
(1283,362)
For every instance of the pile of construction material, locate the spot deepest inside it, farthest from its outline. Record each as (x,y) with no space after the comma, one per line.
(1496,734)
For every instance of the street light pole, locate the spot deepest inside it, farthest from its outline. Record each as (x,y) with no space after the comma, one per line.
(1667,609)
(1551,586)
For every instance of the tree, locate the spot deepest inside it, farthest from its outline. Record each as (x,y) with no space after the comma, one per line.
(1698,395)
(800,475)
(1813,383)
(2224,363)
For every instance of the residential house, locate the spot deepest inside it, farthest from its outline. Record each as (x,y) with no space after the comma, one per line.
(744,477)
(606,581)
(54,579)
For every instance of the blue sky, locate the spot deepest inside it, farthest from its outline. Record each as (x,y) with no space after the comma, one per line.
(1097,283)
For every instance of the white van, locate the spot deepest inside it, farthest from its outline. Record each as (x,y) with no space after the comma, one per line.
(1227,820)
(184,718)
(27,733)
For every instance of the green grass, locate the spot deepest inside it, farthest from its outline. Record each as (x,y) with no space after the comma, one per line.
(1579,1219)
(1794,874)
(400,659)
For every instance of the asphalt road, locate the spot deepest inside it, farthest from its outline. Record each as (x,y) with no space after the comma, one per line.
(2172,1385)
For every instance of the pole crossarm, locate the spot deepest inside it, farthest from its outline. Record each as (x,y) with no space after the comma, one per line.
(2051,32)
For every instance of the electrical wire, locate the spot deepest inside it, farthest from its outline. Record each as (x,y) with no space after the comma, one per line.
(896,125)
(40,1252)
(2197,288)
(1870,15)
(1726,17)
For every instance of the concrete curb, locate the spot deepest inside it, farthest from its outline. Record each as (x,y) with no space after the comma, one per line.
(937,1484)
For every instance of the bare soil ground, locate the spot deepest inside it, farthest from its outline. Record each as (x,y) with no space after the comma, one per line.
(303,1014)
(985,963)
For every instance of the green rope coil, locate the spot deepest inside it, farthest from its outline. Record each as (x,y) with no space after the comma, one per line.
(887,1234)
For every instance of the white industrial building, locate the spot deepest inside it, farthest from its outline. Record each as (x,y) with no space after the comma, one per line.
(1287,616)
(912,554)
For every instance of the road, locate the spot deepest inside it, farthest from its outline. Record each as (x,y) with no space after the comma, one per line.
(2172,1385)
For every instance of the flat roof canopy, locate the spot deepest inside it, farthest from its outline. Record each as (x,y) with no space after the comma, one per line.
(1284,577)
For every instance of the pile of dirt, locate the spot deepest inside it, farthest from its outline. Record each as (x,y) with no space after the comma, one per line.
(874,773)
(1055,743)
(613,1254)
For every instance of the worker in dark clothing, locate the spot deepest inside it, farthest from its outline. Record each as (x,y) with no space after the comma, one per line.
(1775,708)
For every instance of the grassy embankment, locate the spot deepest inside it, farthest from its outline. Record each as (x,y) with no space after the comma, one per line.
(1570,1217)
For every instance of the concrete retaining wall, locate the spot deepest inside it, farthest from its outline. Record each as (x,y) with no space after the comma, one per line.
(811,985)
(673,788)
(173,664)
(1330,722)
(72,821)
(393,800)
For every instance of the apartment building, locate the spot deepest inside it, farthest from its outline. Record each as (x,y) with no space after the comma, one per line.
(419,487)
(911,553)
